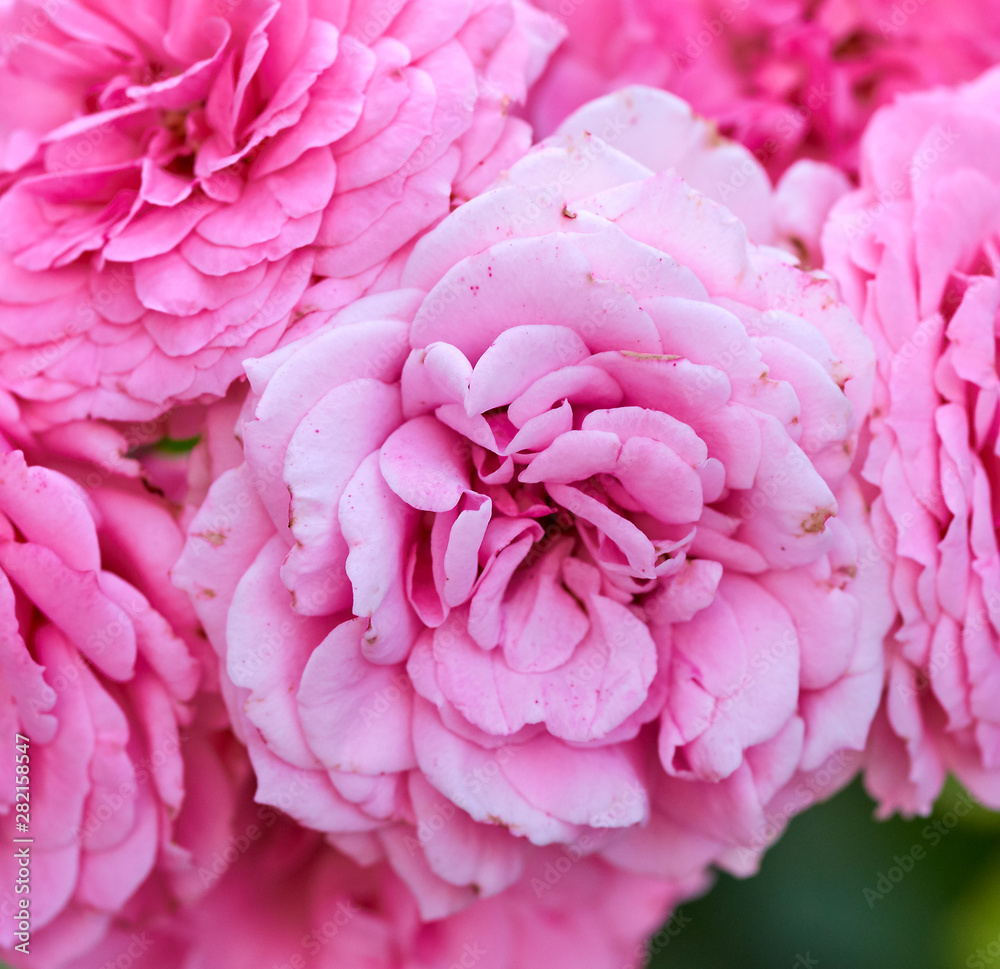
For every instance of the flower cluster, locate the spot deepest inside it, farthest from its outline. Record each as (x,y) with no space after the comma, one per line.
(431,540)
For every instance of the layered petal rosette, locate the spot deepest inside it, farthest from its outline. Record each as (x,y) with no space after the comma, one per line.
(555,545)
(99,689)
(173,176)
(790,79)
(915,251)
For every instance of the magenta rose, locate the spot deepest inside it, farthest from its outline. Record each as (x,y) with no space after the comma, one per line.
(790,80)
(174,176)
(914,250)
(555,545)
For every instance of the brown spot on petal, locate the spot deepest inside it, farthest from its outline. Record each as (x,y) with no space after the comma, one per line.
(650,356)
(801,251)
(713,138)
(816,522)
(566,212)
(213,537)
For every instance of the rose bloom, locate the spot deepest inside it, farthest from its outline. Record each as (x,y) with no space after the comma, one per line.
(280,896)
(173,176)
(555,544)
(789,79)
(915,252)
(99,669)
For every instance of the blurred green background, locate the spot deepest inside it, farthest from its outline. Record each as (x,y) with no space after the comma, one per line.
(808,907)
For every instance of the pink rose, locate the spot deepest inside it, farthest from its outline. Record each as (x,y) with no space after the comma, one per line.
(283,897)
(174,176)
(914,251)
(99,671)
(554,545)
(789,79)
